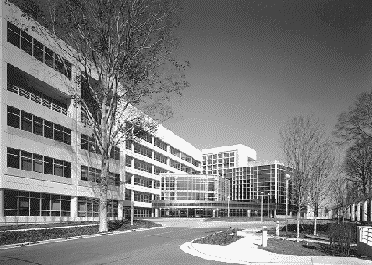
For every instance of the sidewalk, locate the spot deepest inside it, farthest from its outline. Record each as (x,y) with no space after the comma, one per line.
(246,251)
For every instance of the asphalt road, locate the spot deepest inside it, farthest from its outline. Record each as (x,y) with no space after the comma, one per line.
(157,246)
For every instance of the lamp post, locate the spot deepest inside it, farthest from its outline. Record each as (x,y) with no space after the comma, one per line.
(262,194)
(268,204)
(287,177)
(228,205)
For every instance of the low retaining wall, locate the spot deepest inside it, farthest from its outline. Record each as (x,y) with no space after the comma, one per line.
(365,241)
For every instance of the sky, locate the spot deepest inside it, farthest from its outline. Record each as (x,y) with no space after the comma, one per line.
(256,64)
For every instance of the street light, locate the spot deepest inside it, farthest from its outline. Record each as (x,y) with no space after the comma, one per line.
(262,194)
(287,177)
(228,205)
(268,204)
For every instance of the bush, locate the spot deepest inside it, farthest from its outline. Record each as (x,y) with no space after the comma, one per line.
(222,238)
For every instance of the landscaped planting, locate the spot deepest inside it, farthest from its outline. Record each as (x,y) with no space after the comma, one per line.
(13,237)
(221,238)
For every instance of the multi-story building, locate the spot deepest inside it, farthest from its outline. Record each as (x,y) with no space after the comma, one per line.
(218,160)
(46,152)
(261,180)
(146,159)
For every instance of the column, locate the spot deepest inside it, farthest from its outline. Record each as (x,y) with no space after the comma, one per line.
(156,212)
(352,212)
(248,213)
(120,210)
(74,207)
(1,203)
(365,205)
(214,213)
(358,212)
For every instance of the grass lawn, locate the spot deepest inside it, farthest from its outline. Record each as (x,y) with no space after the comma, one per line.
(12,237)
(221,238)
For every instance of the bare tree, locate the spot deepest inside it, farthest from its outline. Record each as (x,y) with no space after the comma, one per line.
(358,166)
(321,174)
(356,123)
(123,52)
(301,138)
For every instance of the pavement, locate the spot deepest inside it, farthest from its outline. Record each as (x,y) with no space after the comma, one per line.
(247,251)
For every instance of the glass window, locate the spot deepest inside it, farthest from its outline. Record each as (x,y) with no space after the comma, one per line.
(13,117)
(14,34)
(84,173)
(128,161)
(66,169)
(66,135)
(38,126)
(26,161)
(38,50)
(48,129)
(48,165)
(59,64)
(49,57)
(23,206)
(12,157)
(26,42)
(58,133)
(37,163)
(84,142)
(26,121)
(58,167)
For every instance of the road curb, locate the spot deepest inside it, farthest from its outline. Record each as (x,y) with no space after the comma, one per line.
(63,239)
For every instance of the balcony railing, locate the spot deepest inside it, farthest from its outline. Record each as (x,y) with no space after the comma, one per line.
(37,99)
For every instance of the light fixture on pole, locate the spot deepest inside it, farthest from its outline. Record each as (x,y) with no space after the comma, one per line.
(287,177)
(262,194)
(268,204)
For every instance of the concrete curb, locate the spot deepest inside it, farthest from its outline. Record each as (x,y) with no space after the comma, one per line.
(62,239)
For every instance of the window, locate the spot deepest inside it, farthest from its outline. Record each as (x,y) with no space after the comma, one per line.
(128,144)
(66,169)
(143,150)
(26,161)
(37,163)
(14,34)
(84,142)
(13,117)
(159,143)
(48,165)
(13,157)
(128,161)
(115,153)
(49,57)
(38,51)
(26,121)
(48,129)
(84,173)
(58,132)
(26,42)
(58,167)
(38,126)
(142,165)
(66,135)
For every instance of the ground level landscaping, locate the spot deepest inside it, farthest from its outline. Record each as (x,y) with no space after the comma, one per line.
(9,236)
(222,238)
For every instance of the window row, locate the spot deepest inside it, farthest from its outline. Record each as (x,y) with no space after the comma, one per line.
(33,47)
(219,155)
(89,207)
(160,158)
(94,175)
(182,167)
(33,162)
(89,143)
(37,97)
(142,150)
(142,196)
(142,165)
(159,143)
(31,123)
(183,156)
(24,203)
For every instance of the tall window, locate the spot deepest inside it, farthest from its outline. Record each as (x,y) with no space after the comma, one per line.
(13,117)
(13,157)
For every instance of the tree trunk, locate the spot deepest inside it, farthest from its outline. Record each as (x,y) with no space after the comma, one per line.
(315,217)
(298,225)
(103,226)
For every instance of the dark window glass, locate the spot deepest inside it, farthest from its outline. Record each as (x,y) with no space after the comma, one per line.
(49,57)
(58,167)
(84,142)
(23,206)
(38,126)
(37,163)
(84,173)
(38,50)
(26,161)
(66,169)
(59,64)
(67,69)
(26,123)
(117,179)
(26,42)
(13,117)
(48,165)
(58,133)
(12,157)
(48,129)
(34,207)
(14,34)
(67,136)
